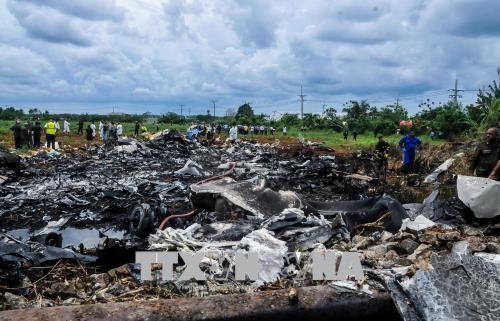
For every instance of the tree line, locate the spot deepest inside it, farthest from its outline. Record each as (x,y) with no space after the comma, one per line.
(450,119)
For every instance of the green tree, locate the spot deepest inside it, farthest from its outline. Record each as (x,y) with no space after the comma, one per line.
(358,115)
(289,120)
(451,120)
(332,120)
(486,98)
(492,118)
(246,111)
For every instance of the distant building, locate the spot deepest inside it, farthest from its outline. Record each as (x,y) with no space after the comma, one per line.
(275,116)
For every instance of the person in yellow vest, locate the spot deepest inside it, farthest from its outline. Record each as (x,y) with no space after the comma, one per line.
(144,132)
(50,134)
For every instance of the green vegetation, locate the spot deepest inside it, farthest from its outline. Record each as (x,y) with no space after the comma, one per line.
(332,138)
(447,121)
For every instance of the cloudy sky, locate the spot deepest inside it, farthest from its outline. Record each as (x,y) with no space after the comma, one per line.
(152,55)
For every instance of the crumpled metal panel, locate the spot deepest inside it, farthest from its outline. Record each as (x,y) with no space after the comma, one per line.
(480,195)
(251,195)
(15,252)
(460,286)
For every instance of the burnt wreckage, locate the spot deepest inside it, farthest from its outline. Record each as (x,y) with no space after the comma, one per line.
(72,222)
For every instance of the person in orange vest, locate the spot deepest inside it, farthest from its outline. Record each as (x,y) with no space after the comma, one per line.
(50,134)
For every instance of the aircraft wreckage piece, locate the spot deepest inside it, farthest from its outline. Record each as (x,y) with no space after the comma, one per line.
(480,195)
(459,286)
(252,196)
(309,303)
(363,211)
(17,252)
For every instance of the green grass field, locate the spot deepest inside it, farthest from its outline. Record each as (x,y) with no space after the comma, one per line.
(332,138)
(328,137)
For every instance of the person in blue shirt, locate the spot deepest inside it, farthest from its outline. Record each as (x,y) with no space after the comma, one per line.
(409,143)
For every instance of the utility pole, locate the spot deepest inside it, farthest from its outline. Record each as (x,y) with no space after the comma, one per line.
(182,106)
(213,102)
(397,102)
(324,105)
(455,94)
(301,103)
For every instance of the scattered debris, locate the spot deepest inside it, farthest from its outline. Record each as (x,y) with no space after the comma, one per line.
(432,177)
(72,223)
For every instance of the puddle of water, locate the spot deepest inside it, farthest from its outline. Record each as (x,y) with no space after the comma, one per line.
(90,238)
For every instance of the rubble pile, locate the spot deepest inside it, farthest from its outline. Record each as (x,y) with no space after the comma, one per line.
(71,224)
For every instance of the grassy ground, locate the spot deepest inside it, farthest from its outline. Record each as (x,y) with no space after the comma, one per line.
(332,138)
(329,138)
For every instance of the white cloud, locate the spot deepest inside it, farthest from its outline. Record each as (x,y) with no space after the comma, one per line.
(164,53)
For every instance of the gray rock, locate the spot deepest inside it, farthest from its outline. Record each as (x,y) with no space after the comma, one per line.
(408,246)
(15,301)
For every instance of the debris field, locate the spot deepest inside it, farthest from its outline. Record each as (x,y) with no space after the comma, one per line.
(72,221)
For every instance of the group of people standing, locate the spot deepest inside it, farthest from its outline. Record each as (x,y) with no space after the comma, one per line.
(29,135)
(485,160)
(107,131)
(408,144)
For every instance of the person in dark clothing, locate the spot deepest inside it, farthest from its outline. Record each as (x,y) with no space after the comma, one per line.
(17,130)
(27,135)
(80,127)
(486,159)
(136,129)
(354,134)
(37,133)
(30,135)
(346,134)
(89,133)
(382,153)
(105,131)
(113,136)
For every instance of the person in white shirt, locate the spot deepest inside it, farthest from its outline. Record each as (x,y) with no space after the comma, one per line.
(66,126)
(101,129)
(58,127)
(119,129)
(92,125)
(284,130)
(233,133)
